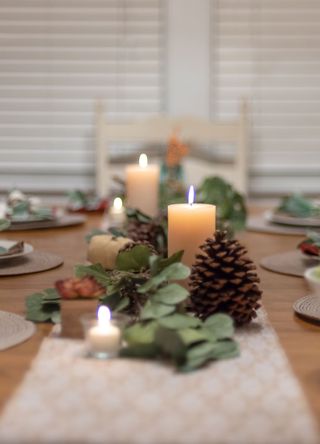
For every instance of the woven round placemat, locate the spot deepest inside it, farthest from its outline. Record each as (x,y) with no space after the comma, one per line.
(14,329)
(292,263)
(260,225)
(65,221)
(308,308)
(31,263)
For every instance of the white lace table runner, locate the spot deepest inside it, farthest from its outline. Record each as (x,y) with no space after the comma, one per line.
(253,399)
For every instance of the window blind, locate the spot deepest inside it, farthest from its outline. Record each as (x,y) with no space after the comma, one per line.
(57,58)
(268,51)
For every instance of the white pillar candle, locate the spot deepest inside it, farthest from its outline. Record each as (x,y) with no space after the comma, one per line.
(104,338)
(142,183)
(189,225)
(117,215)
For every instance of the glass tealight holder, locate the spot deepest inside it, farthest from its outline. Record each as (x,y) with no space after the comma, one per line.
(103,338)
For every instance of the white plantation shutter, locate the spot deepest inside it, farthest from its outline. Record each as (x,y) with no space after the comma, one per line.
(269,52)
(57,57)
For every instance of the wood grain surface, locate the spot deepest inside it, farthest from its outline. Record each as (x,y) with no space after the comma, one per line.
(299,339)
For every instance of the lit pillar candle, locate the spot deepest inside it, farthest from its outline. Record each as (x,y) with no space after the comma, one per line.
(104,338)
(142,183)
(189,225)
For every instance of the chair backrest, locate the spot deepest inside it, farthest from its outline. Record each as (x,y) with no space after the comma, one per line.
(193,131)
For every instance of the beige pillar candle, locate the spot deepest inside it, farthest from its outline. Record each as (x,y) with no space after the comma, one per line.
(189,225)
(142,183)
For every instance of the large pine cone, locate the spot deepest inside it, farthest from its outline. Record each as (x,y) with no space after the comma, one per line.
(223,279)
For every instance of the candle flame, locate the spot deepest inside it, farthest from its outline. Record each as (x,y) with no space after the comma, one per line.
(104,315)
(191,195)
(143,161)
(117,203)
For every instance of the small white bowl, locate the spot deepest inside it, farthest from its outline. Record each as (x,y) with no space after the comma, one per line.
(312,280)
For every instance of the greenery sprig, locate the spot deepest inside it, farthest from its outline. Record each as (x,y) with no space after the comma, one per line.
(4,224)
(297,205)
(44,306)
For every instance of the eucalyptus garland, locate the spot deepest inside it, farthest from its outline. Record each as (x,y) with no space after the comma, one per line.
(145,286)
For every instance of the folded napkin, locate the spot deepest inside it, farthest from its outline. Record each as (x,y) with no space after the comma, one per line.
(16,248)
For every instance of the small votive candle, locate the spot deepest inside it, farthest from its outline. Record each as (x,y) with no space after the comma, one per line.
(103,335)
(117,216)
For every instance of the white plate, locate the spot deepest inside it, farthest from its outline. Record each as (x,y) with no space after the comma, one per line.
(8,243)
(30,219)
(283,219)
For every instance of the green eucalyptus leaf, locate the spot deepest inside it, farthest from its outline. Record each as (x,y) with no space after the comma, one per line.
(134,260)
(3,250)
(155,310)
(190,336)
(50,294)
(4,224)
(179,321)
(192,364)
(220,326)
(140,351)
(204,349)
(176,271)
(56,317)
(123,303)
(134,213)
(34,300)
(97,271)
(43,307)
(141,333)
(171,344)
(38,316)
(111,300)
(160,264)
(225,350)
(171,294)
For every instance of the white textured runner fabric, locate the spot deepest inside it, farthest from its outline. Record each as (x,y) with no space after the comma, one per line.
(14,329)
(253,399)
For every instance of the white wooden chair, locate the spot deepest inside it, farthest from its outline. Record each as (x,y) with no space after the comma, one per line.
(193,131)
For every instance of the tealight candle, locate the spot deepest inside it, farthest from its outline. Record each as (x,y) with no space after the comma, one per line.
(117,215)
(104,338)
(142,183)
(189,225)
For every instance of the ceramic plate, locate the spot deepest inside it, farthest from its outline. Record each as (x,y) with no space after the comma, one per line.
(283,219)
(30,219)
(8,243)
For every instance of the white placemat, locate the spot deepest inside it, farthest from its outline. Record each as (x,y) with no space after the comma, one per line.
(66,398)
(14,329)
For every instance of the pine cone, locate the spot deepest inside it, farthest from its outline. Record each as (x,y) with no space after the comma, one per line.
(149,232)
(128,288)
(130,245)
(223,279)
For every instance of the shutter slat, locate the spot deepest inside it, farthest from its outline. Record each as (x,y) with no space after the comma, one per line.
(268,51)
(57,58)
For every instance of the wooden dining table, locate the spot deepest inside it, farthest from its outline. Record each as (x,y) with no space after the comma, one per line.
(299,339)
